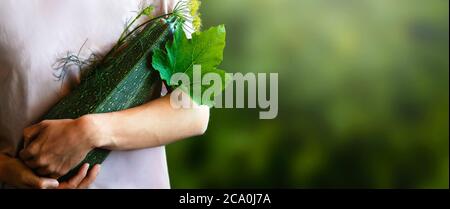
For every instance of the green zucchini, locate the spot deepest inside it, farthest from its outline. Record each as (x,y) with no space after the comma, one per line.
(124,80)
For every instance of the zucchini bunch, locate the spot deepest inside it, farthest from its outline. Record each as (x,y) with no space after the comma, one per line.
(123,79)
(132,72)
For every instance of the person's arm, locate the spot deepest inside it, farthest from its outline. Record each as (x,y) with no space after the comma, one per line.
(56,146)
(153,124)
(14,173)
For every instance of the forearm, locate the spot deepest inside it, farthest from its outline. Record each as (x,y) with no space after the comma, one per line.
(152,124)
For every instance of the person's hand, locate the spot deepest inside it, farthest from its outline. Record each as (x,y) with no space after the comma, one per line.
(53,147)
(83,178)
(14,173)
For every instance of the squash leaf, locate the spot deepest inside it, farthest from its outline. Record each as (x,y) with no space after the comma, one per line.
(182,54)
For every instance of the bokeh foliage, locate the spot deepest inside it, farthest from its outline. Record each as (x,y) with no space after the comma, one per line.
(363,97)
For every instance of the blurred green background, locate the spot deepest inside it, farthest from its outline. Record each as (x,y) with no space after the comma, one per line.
(363,97)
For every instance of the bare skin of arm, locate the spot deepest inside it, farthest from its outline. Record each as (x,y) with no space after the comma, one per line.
(53,147)
(153,124)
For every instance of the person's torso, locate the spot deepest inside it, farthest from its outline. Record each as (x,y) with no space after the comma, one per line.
(34,34)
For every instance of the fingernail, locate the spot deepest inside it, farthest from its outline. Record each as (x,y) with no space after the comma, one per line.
(86,167)
(50,184)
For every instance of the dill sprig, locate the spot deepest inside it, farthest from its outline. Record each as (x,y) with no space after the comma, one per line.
(73,61)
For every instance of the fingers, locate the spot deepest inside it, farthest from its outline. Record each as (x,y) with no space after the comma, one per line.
(76,180)
(30,133)
(28,153)
(41,166)
(48,183)
(83,179)
(90,178)
(36,162)
(36,182)
(48,171)
(44,171)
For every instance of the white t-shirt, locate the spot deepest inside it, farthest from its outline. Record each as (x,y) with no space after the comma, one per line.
(33,35)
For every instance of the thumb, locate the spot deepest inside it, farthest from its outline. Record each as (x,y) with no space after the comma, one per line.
(48,183)
(37,182)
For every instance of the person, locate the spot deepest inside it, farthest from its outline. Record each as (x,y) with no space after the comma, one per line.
(33,35)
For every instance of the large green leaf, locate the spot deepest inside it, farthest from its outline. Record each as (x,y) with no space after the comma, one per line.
(182,54)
